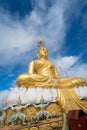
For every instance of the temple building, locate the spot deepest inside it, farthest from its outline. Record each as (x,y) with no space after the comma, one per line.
(42,100)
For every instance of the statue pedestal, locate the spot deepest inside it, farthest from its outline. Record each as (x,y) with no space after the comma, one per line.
(53,122)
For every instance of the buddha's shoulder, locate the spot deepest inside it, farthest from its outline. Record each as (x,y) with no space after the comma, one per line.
(39,61)
(42,61)
(34,62)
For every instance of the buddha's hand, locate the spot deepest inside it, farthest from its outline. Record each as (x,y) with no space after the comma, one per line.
(55,80)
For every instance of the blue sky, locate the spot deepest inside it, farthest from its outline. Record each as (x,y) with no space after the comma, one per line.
(62,24)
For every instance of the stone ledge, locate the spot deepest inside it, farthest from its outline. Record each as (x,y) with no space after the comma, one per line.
(50,124)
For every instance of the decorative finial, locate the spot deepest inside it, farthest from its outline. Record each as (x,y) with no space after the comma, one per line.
(40,42)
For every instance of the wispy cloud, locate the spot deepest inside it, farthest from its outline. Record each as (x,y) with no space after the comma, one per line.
(71,66)
(49,21)
(11,75)
(19,36)
(79,70)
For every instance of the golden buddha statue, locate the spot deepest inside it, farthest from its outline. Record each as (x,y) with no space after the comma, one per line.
(43,73)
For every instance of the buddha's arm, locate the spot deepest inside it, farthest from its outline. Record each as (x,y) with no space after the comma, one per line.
(26,106)
(56,73)
(12,108)
(31,68)
(36,106)
(47,104)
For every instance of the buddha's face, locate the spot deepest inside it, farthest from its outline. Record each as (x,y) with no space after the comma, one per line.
(42,52)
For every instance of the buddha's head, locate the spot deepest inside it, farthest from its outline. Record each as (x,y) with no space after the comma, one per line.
(42,52)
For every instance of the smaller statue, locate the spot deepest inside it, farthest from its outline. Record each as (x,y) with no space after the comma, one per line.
(43,112)
(18,114)
(5,107)
(2,118)
(3,113)
(21,116)
(19,106)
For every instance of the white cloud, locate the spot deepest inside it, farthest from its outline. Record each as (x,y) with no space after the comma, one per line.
(79,70)
(71,66)
(11,75)
(68,61)
(63,64)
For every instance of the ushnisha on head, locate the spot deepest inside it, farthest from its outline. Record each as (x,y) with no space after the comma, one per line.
(42,51)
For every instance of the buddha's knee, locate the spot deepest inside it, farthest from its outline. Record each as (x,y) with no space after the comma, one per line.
(22,78)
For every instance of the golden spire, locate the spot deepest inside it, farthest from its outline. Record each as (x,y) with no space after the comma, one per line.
(42,51)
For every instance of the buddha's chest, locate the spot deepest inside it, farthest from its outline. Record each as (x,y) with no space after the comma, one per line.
(44,66)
